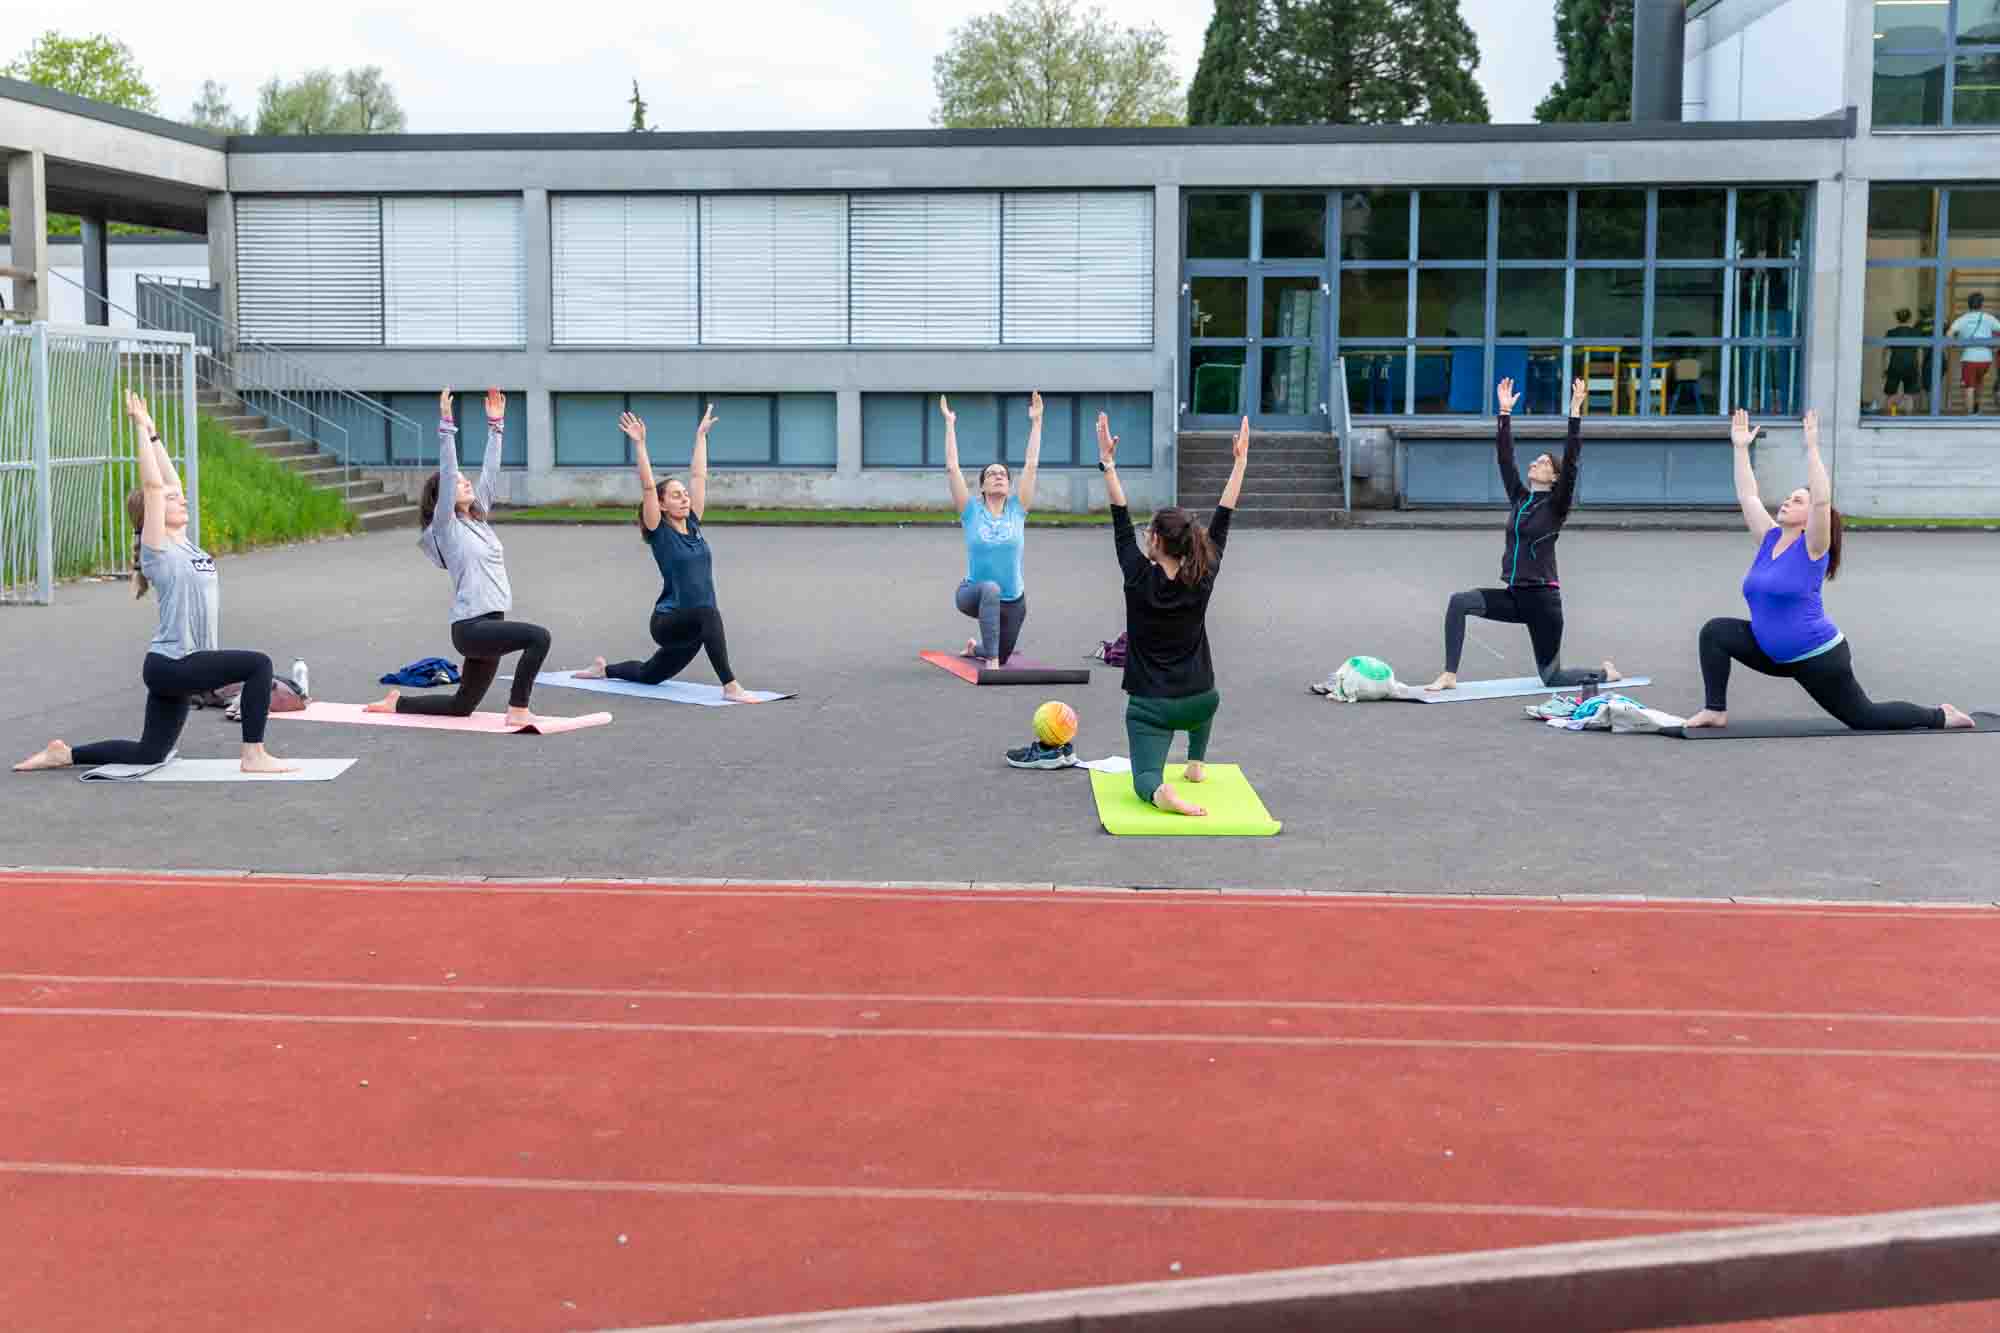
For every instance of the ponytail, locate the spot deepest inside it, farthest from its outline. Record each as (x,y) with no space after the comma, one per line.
(1833,548)
(1187,541)
(135,509)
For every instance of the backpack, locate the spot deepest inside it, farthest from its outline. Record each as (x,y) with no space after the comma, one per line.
(1111,652)
(285,698)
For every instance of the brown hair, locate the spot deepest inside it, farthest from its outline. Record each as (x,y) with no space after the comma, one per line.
(660,495)
(428,505)
(135,509)
(1177,534)
(1833,548)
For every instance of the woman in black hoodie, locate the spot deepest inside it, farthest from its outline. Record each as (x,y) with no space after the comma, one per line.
(1531,595)
(1169,676)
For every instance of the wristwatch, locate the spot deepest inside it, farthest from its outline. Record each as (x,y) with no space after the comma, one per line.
(1102,466)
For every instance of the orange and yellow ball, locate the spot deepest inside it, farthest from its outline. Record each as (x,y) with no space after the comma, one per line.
(1055,723)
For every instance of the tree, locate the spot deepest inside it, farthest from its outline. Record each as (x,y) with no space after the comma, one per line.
(1042,63)
(1227,87)
(321,102)
(638,105)
(1594,38)
(98,67)
(212,111)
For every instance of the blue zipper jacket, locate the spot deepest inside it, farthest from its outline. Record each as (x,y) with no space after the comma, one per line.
(1535,518)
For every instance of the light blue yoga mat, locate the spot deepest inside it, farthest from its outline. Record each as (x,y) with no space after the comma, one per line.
(176,769)
(1513,687)
(669,691)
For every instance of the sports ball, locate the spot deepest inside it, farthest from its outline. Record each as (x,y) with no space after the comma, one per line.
(1055,723)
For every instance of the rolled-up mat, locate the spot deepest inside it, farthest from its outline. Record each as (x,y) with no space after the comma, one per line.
(1018,671)
(488,722)
(176,769)
(1786,728)
(1234,809)
(1512,687)
(669,691)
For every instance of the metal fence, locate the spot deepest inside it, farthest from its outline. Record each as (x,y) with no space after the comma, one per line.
(68,452)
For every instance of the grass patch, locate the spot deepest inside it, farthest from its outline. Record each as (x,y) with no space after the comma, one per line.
(936,518)
(1920,524)
(250,500)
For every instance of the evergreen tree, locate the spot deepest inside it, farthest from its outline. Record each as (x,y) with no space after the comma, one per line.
(1228,86)
(1444,53)
(638,105)
(1595,39)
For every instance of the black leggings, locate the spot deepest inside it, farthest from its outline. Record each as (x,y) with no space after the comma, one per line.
(1828,678)
(681,634)
(1539,608)
(171,684)
(483,641)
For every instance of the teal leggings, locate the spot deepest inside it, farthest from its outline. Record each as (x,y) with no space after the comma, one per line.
(1150,725)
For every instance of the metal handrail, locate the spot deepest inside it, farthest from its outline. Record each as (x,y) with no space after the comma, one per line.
(1343,423)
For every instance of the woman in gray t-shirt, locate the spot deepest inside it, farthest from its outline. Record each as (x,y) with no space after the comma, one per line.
(183,660)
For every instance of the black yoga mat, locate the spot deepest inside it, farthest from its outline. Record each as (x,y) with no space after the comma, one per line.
(1785,728)
(1033,676)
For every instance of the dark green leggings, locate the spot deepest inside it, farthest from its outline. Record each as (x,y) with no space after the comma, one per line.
(1150,725)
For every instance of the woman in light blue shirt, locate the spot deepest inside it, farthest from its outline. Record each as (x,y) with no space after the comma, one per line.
(995,523)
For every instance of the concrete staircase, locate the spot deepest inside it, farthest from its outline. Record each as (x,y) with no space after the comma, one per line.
(368,501)
(1293,480)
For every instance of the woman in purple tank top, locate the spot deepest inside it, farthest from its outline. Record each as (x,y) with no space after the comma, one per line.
(1788,633)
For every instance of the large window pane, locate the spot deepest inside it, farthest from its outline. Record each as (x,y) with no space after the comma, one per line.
(1530,303)
(1692,223)
(670,420)
(1451,224)
(808,429)
(1687,303)
(1610,302)
(1975,224)
(1902,222)
(1218,226)
(1059,442)
(1975,98)
(1376,379)
(1451,303)
(587,432)
(1909,88)
(1534,224)
(1764,381)
(1602,370)
(1770,224)
(1897,379)
(1375,224)
(1611,224)
(1979,20)
(1904,25)
(978,428)
(1294,226)
(1374,303)
(1218,307)
(1449,379)
(1690,380)
(1215,381)
(892,429)
(742,430)
(1961,286)
(1131,422)
(1540,376)
(1292,307)
(1767,303)
(1290,384)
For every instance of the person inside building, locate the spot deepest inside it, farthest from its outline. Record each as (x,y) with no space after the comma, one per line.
(1978,327)
(1900,384)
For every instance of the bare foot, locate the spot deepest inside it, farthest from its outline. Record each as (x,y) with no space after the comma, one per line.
(1707,717)
(1446,681)
(595,671)
(1610,671)
(520,717)
(1953,718)
(53,755)
(735,693)
(385,704)
(1166,798)
(971,648)
(993,663)
(256,759)
(1195,772)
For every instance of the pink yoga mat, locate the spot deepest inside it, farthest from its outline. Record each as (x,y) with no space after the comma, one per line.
(490,722)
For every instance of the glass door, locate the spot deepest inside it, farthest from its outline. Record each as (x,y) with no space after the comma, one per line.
(1254,308)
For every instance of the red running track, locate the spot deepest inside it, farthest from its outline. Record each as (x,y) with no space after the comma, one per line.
(323,1105)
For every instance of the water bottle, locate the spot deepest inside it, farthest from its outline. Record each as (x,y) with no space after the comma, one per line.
(300,678)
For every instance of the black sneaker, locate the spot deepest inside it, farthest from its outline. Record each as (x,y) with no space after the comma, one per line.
(1037,755)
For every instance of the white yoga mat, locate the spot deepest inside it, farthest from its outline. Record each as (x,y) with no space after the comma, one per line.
(1116,763)
(672,691)
(176,769)
(1513,687)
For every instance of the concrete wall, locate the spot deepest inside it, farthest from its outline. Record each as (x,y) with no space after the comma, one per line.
(1767,59)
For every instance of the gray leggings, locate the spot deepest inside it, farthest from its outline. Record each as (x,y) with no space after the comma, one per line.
(999,622)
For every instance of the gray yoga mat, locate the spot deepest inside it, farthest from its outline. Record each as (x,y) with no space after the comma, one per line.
(669,691)
(1785,728)
(1513,687)
(176,769)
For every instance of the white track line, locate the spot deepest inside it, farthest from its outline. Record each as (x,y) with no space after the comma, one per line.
(999,1034)
(992,1001)
(1029,1197)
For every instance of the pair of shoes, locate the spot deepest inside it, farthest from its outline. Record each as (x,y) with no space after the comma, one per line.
(1563,705)
(1322,686)
(1037,755)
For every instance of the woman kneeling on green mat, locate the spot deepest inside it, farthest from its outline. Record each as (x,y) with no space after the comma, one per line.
(1169,675)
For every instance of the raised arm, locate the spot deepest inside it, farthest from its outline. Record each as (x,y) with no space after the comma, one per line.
(156,473)
(1819,489)
(959,495)
(1572,450)
(1755,516)
(1503,441)
(698,465)
(496,446)
(1240,447)
(649,491)
(1123,542)
(447,498)
(1027,491)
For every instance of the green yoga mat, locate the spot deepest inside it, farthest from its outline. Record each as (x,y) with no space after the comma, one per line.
(1233,808)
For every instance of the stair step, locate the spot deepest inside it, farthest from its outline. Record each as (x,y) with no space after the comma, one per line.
(1208,473)
(378,519)
(1223,458)
(263,434)
(238,422)
(287,449)
(1283,518)
(1320,500)
(367,505)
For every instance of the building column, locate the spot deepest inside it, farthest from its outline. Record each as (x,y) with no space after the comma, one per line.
(222,265)
(847,433)
(28,200)
(1167,342)
(538,300)
(96,271)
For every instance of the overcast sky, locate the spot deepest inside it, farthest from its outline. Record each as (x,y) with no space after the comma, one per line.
(736,65)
